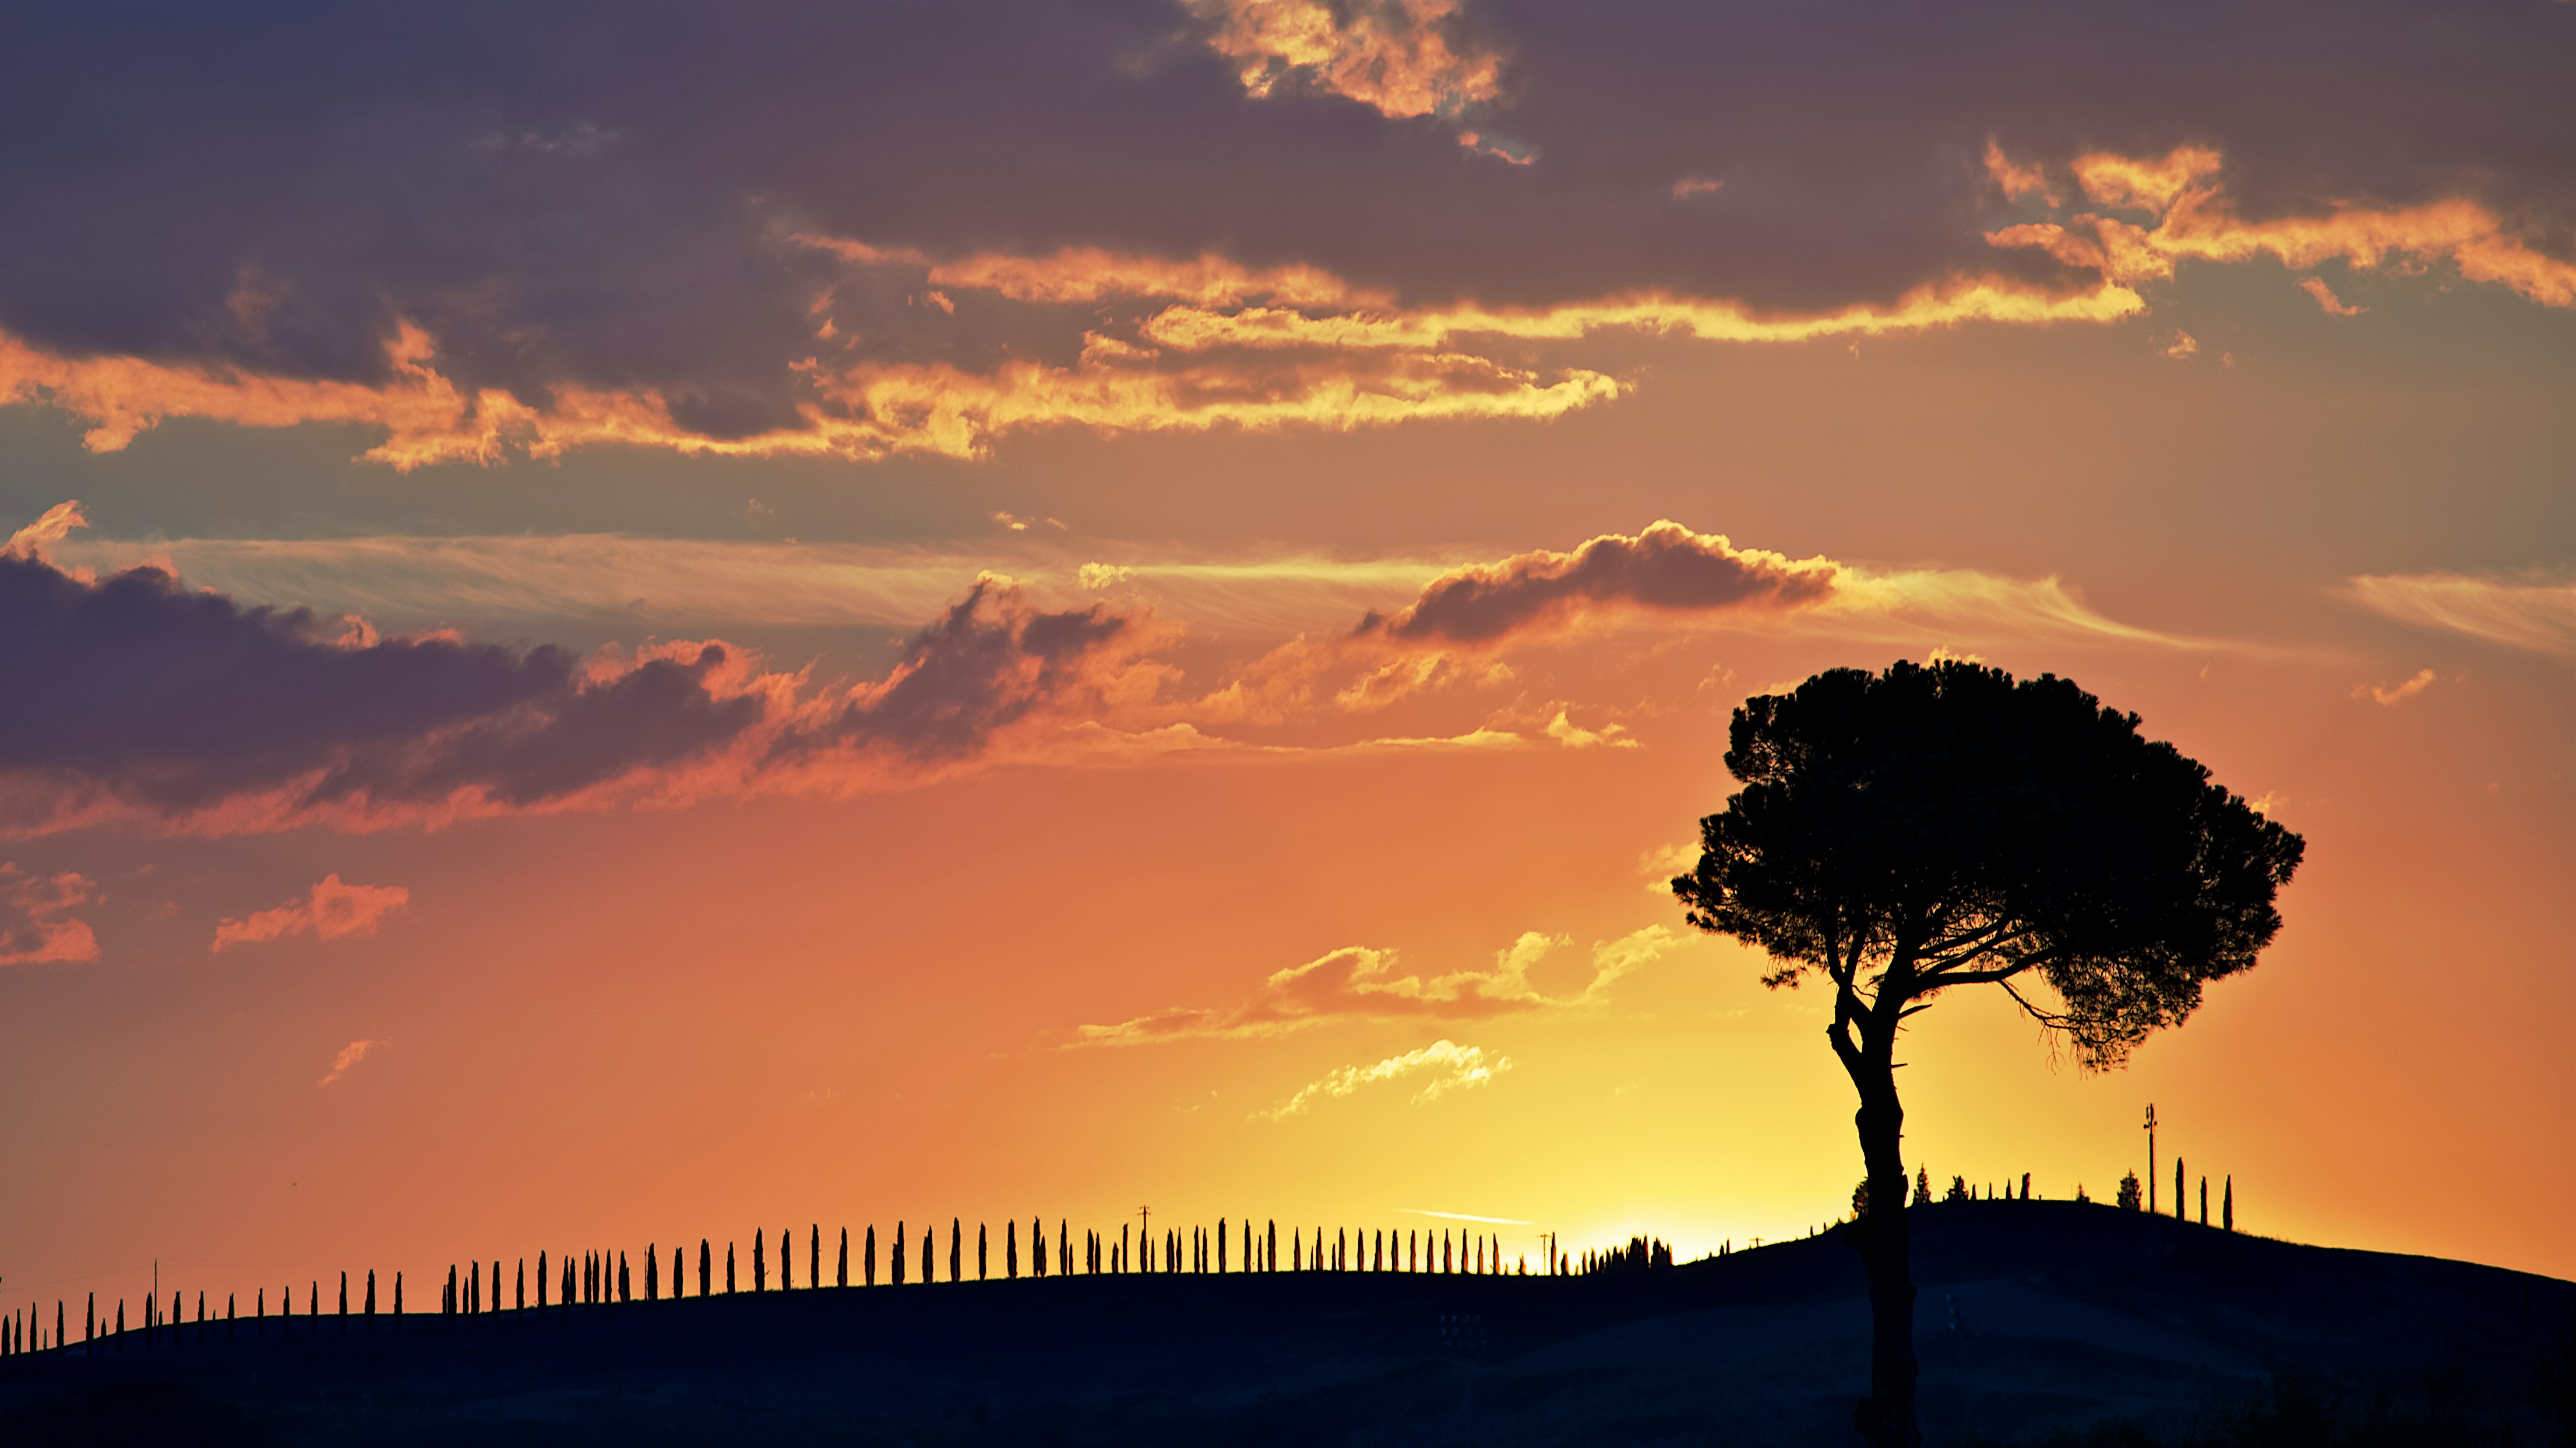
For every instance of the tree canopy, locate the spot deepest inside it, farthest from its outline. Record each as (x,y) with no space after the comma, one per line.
(1944,825)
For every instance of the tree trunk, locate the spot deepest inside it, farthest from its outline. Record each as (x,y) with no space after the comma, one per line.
(1886,1417)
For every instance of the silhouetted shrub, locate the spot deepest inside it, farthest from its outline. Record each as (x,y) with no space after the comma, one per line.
(2132,1196)
(1958,1191)
(1922,1187)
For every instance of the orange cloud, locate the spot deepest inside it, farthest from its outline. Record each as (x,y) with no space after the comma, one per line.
(2387,697)
(2017,181)
(2193,219)
(1395,55)
(348,1059)
(36,927)
(2333,305)
(330,910)
(1359,982)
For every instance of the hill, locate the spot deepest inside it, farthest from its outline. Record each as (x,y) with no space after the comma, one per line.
(2034,1318)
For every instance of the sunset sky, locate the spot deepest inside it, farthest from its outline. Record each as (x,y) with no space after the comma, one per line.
(632,622)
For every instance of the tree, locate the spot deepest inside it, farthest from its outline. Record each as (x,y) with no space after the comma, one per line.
(706,1267)
(2178,1206)
(1011,1250)
(1924,828)
(983,1252)
(868,1258)
(2227,1206)
(841,1273)
(2132,1196)
(956,1251)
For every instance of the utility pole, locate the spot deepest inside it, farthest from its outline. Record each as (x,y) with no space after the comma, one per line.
(2151,1158)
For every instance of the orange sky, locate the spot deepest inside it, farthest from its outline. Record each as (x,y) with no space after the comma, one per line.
(923,897)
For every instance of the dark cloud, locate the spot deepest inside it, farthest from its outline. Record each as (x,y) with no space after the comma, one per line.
(989,662)
(600,194)
(175,702)
(1667,568)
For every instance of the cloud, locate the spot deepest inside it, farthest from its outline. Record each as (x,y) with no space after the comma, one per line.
(1360,983)
(1402,58)
(36,927)
(2333,305)
(193,711)
(2192,218)
(2385,696)
(330,910)
(1665,569)
(467,263)
(991,661)
(2540,617)
(1442,1067)
(349,1057)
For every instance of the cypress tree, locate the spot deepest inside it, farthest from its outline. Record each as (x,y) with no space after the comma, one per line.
(956,1251)
(787,1259)
(2227,1206)
(981,1254)
(454,1299)
(518,1289)
(2178,1182)
(1270,1254)
(371,1297)
(1064,1245)
(759,1264)
(625,1284)
(841,1277)
(344,1294)
(1220,1246)
(728,1269)
(570,1295)
(706,1268)
(1296,1251)
(228,1298)
(541,1279)
(1037,1247)
(868,1262)
(1011,1251)
(814,1257)
(679,1274)
(897,1278)
(89,1320)
(652,1271)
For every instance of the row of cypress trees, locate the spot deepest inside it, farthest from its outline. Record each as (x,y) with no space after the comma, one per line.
(604,1276)
(24,1331)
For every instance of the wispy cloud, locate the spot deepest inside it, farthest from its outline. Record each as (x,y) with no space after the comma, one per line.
(349,1057)
(329,910)
(2540,617)
(36,924)
(1361,982)
(1439,1068)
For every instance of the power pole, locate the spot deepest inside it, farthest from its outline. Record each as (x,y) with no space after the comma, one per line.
(2151,1158)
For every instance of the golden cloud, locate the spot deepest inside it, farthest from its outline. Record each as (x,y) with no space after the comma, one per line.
(2190,217)
(329,910)
(1394,55)
(2540,617)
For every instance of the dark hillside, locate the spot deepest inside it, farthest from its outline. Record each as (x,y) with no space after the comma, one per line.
(2033,1317)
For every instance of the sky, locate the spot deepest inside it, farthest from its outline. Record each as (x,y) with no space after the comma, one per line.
(637,622)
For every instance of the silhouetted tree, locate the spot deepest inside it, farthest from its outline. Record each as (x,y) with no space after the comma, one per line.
(728,1269)
(1011,1251)
(2178,1186)
(2025,1186)
(652,1271)
(759,1264)
(982,1254)
(625,1283)
(841,1273)
(519,1289)
(371,1297)
(542,1279)
(2132,1196)
(897,1266)
(814,1255)
(956,1251)
(1958,1191)
(787,1259)
(868,1258)
(706,1267)
(2204,1201)
(1064,1245)
(1930,827)
(1922,1187)
(2227,1206)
